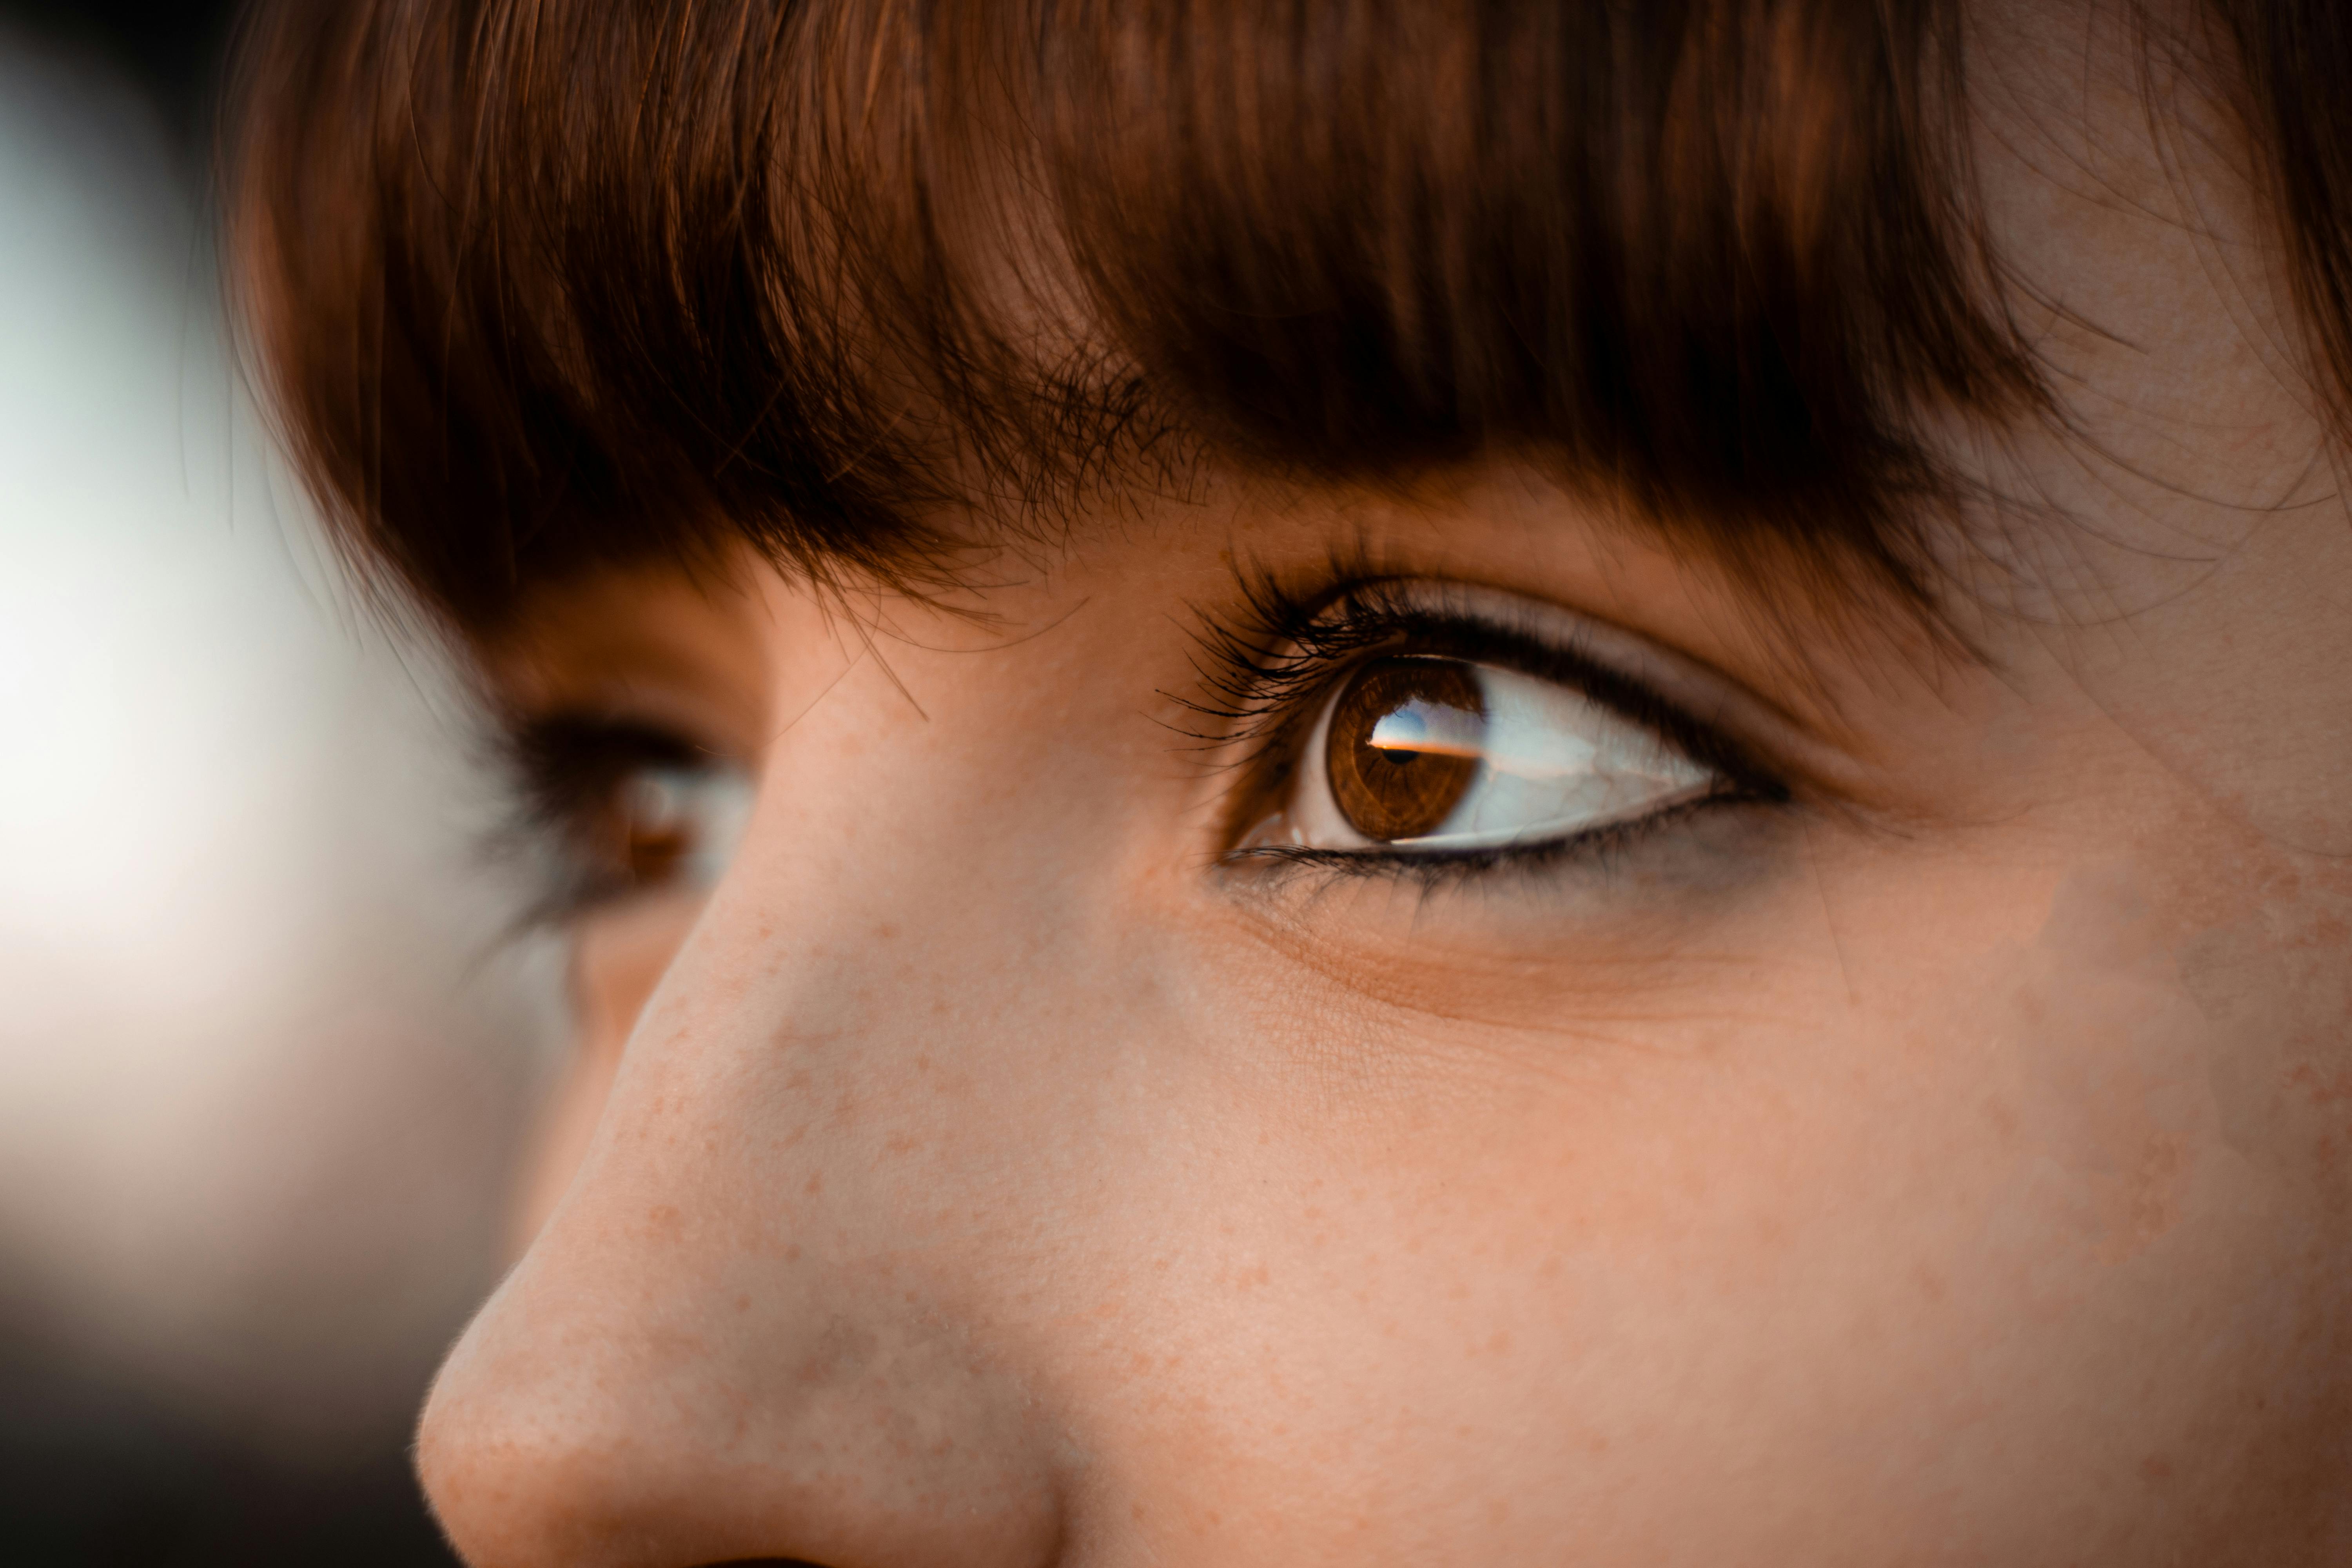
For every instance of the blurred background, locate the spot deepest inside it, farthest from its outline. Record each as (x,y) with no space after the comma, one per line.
(265,1045)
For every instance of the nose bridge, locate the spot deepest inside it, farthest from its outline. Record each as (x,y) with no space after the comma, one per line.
(740,1334)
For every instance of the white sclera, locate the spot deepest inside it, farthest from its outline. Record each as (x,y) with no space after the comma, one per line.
(1552,763)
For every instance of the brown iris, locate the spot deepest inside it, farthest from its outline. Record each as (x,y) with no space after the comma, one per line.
(642,829)
(1405,746)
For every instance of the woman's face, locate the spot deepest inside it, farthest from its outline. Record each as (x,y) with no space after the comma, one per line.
(1576,1054)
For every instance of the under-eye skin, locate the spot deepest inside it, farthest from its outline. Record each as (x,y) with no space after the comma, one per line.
(1429,729)
(617,807)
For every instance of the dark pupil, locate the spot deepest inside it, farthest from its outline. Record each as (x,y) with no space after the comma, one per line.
(1404,778)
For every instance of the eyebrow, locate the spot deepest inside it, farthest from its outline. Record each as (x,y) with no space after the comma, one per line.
(634,282)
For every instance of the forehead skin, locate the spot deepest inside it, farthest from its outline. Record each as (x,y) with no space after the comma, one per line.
(2179,549)
(1958,1178)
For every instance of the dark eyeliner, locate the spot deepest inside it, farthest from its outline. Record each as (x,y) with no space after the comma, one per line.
(1595,846)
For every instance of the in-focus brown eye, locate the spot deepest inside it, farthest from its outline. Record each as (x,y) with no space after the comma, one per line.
(1405,743)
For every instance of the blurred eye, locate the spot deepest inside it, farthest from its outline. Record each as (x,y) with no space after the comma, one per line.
(673,826)
(1439,754)
(624,808)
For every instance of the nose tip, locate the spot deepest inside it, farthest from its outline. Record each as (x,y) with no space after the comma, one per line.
(598,1424)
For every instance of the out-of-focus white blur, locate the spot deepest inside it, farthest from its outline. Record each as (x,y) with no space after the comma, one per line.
(262,1052)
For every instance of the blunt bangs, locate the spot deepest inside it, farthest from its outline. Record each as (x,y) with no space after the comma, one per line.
(540,285)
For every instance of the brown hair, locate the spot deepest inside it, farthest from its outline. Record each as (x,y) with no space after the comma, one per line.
(542,283)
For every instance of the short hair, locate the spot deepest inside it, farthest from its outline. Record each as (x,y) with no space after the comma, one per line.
(545,284)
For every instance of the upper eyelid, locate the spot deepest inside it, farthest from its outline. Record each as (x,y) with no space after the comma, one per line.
(1263,690)
(578,732)
(1728,722)
(650,700)
(1621,691)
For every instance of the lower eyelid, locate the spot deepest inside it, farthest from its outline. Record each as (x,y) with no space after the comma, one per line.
(1601,849)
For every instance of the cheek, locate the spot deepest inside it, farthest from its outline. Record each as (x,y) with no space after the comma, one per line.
(1999,1247)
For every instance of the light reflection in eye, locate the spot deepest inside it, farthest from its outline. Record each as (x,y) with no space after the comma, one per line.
(1444,754)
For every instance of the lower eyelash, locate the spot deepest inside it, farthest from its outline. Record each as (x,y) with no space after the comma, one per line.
(1594,849)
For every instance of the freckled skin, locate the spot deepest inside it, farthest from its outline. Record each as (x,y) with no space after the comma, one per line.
(1955,1169)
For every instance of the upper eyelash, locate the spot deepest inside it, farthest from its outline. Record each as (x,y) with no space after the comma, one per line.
(1256,666)
(562,759)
